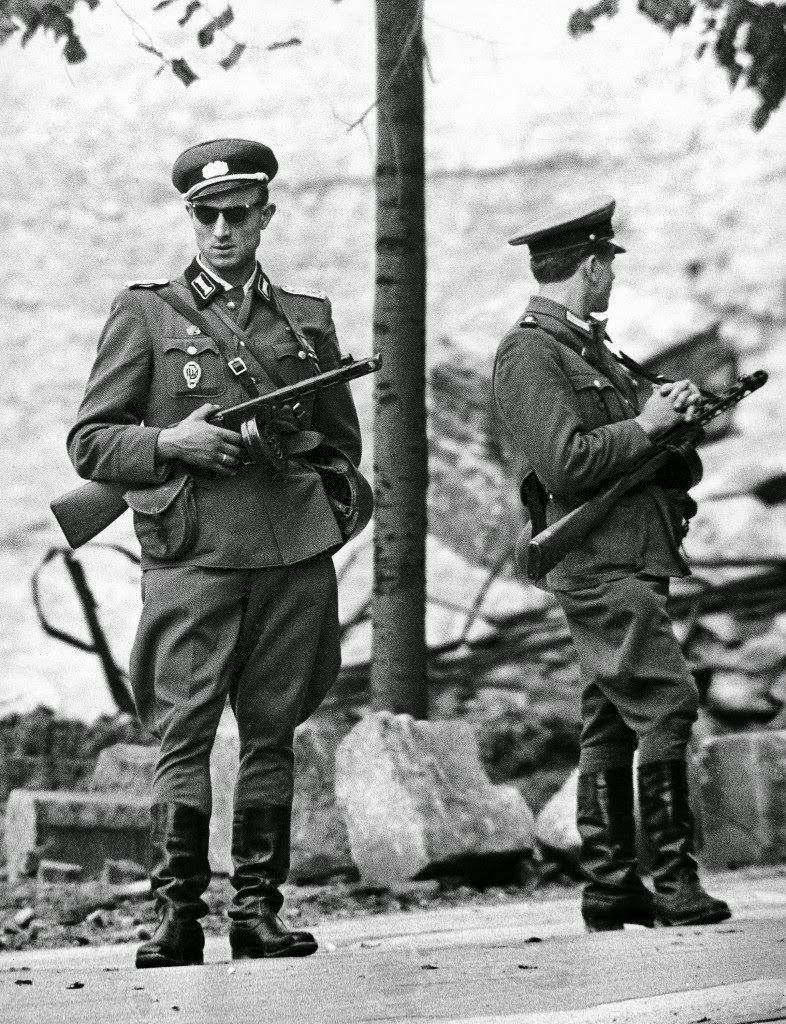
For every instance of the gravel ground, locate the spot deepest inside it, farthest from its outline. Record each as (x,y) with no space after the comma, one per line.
(38,915)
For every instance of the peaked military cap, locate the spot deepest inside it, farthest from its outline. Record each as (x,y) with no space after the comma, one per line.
(570,226)
(222,165)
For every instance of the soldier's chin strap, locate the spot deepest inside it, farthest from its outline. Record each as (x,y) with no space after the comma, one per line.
(601,338)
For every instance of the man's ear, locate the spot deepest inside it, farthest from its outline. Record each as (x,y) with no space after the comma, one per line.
(267,215)
(590,266)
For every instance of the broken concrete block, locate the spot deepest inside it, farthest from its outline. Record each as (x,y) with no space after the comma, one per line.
(78,828)
(555,826)
(22,918)
(415,798)
(58,871)
(739,695)
(124,767)
(320,843)
(129,767)
(742,799)
(224,764)
(121,872)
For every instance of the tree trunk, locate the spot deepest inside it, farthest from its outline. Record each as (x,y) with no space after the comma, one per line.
(398,674)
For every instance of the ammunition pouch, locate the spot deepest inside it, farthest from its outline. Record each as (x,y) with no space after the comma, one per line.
(348,492)
(682,508)
(682,471)
(534,498)
(165,517)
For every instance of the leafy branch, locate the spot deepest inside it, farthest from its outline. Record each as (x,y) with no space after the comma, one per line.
(747,39)
(29,16)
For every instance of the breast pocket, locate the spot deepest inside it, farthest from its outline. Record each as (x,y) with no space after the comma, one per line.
(295,366)
(194,368)
(597,400)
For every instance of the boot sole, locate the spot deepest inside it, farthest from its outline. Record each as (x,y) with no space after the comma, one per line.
(665,922)
(605,924)
(297,949)
(154,960)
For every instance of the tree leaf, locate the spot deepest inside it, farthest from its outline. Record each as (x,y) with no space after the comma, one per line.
(233,56)
(207,34)
(191,9)
(294,41)
(7,28)
(182,70)
(668,13)
(583,21)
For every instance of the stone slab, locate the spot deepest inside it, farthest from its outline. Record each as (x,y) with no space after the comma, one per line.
(555,825)
(742,799)
(126,767)
(320,845)
(415,797)
(77,828)
(320,842)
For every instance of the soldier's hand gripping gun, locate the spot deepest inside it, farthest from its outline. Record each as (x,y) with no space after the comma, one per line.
(674,453)
(84,512)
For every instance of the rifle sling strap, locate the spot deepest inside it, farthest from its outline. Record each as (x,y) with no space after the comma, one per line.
(206,327)
(293,444)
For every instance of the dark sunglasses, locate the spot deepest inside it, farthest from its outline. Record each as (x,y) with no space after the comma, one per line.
(233,215)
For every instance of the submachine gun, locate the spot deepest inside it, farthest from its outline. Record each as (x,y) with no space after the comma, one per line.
(674,454)
(84,512)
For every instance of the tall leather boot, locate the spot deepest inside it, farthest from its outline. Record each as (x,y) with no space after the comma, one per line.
(614,895)
(668,823)
(260,855)
(179,875)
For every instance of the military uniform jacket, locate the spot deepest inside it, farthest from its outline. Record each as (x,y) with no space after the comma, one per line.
(138,385)
(569,409)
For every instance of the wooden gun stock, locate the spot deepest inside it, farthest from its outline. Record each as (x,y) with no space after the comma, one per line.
(87,510)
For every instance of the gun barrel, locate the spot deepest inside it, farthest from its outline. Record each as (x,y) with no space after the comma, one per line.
(237,414)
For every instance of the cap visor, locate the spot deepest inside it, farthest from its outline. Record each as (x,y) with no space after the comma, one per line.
(239,193)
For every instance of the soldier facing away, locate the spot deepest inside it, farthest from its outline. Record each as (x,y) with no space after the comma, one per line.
(576,419)
(239,588)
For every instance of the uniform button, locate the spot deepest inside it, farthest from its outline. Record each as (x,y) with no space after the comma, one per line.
(596,383)
(231,304)
(191,350)
(301,354)
(288,329)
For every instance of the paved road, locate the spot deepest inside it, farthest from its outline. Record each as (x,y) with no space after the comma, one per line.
(474,965)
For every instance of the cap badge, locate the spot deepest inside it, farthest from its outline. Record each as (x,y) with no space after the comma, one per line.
(192,371)
(215,168)
(192,329)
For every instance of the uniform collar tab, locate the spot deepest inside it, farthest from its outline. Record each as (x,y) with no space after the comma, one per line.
(581,325)
(202,285)
(263,287)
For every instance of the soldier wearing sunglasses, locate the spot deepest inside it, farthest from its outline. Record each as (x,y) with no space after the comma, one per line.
(239,587)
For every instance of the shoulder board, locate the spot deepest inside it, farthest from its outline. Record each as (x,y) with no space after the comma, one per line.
(157,283)
(310,293)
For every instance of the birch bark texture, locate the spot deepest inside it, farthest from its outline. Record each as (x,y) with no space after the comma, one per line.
(398,675)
